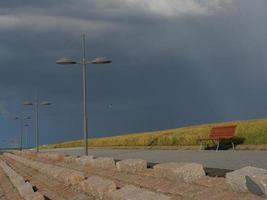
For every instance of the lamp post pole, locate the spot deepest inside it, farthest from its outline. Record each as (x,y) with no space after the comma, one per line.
(21,131)
(21,117)
(26,135)
(36,109)
(37,121)
(84,62)
(85,116)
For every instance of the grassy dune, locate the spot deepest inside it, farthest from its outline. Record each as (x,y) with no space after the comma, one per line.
(249,133)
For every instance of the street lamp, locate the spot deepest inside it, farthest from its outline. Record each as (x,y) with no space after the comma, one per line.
(22,117)
(36,104)
(26,134)
(84,62)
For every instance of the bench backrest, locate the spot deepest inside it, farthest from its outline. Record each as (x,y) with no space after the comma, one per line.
(222,132)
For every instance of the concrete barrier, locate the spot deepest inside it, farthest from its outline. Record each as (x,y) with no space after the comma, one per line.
(34,196)
(24,188)
(131,165)
(98,187)
(71,177)
(238,182)
(51,156)
(68,159)
(68,176)
(26,153)
(129,192)
(84,160)
(186,172)
(104,163)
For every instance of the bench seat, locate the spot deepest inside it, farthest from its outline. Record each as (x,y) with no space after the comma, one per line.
(220,133)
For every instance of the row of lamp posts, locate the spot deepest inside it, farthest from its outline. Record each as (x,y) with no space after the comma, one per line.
(24,126)
(66,61)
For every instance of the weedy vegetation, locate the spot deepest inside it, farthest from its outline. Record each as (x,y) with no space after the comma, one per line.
(249,133)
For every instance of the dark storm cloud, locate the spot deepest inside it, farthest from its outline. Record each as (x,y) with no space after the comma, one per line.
(175,63)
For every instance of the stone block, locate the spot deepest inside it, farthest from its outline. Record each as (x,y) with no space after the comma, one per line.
(104,163)
(84,160)
(69,159)
(257,185)
(17,180)
(237,179)
(130,192)
(33,155)
(98,187)
(186,172)
(34,196)
(25,189)
(57,172)
(55,157)
(42,155)
(71,177)
(44,168)
(131,165)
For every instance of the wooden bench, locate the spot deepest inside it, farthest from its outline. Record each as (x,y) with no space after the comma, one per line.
(220,133)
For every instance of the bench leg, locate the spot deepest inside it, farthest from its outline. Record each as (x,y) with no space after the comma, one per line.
(233,145)
(218,145)
(200,148)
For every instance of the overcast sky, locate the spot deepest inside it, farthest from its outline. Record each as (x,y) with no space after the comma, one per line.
(175,63)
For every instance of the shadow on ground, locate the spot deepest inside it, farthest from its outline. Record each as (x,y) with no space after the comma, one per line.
(226,144)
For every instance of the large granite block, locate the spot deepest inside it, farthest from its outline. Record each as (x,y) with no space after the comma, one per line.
(186,172)
(131,165)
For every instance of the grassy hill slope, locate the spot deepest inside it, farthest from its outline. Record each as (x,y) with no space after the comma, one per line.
(249,132)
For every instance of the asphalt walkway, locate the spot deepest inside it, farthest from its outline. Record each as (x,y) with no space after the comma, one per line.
(221,159)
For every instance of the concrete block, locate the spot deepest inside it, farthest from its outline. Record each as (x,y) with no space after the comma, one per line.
(186,172)
(25,189)
(131,165)
(104,163)
(44,168)
(17,180)
(35,165)
(42,155)
(130,192)
(84,160)
(257,185)
(28,154)
(99,187)
(71,177)
(33,155)
(34,196)
(69,159)
(57,172)
(55,157)
(237,179)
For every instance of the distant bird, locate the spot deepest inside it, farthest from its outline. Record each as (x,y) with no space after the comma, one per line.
(109,105)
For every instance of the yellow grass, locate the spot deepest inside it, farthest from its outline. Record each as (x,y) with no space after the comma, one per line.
(249,132)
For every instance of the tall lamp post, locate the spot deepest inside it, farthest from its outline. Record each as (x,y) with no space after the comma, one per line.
(36,105)
(84,62)
(26,135)
(22,117)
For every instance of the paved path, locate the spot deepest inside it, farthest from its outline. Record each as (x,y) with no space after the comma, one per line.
(222,159)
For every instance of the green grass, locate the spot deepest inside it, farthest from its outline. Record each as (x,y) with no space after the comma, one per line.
(253,132)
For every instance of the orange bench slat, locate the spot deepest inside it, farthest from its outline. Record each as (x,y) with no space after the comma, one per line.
(222,132)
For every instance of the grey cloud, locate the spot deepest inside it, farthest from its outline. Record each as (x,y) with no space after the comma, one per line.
(167,71)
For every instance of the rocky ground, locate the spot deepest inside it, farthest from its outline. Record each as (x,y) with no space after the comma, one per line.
(27,175)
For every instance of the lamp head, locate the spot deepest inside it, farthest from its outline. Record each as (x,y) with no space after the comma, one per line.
(101,60)
(27,103)
(45,103)
(66,61)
